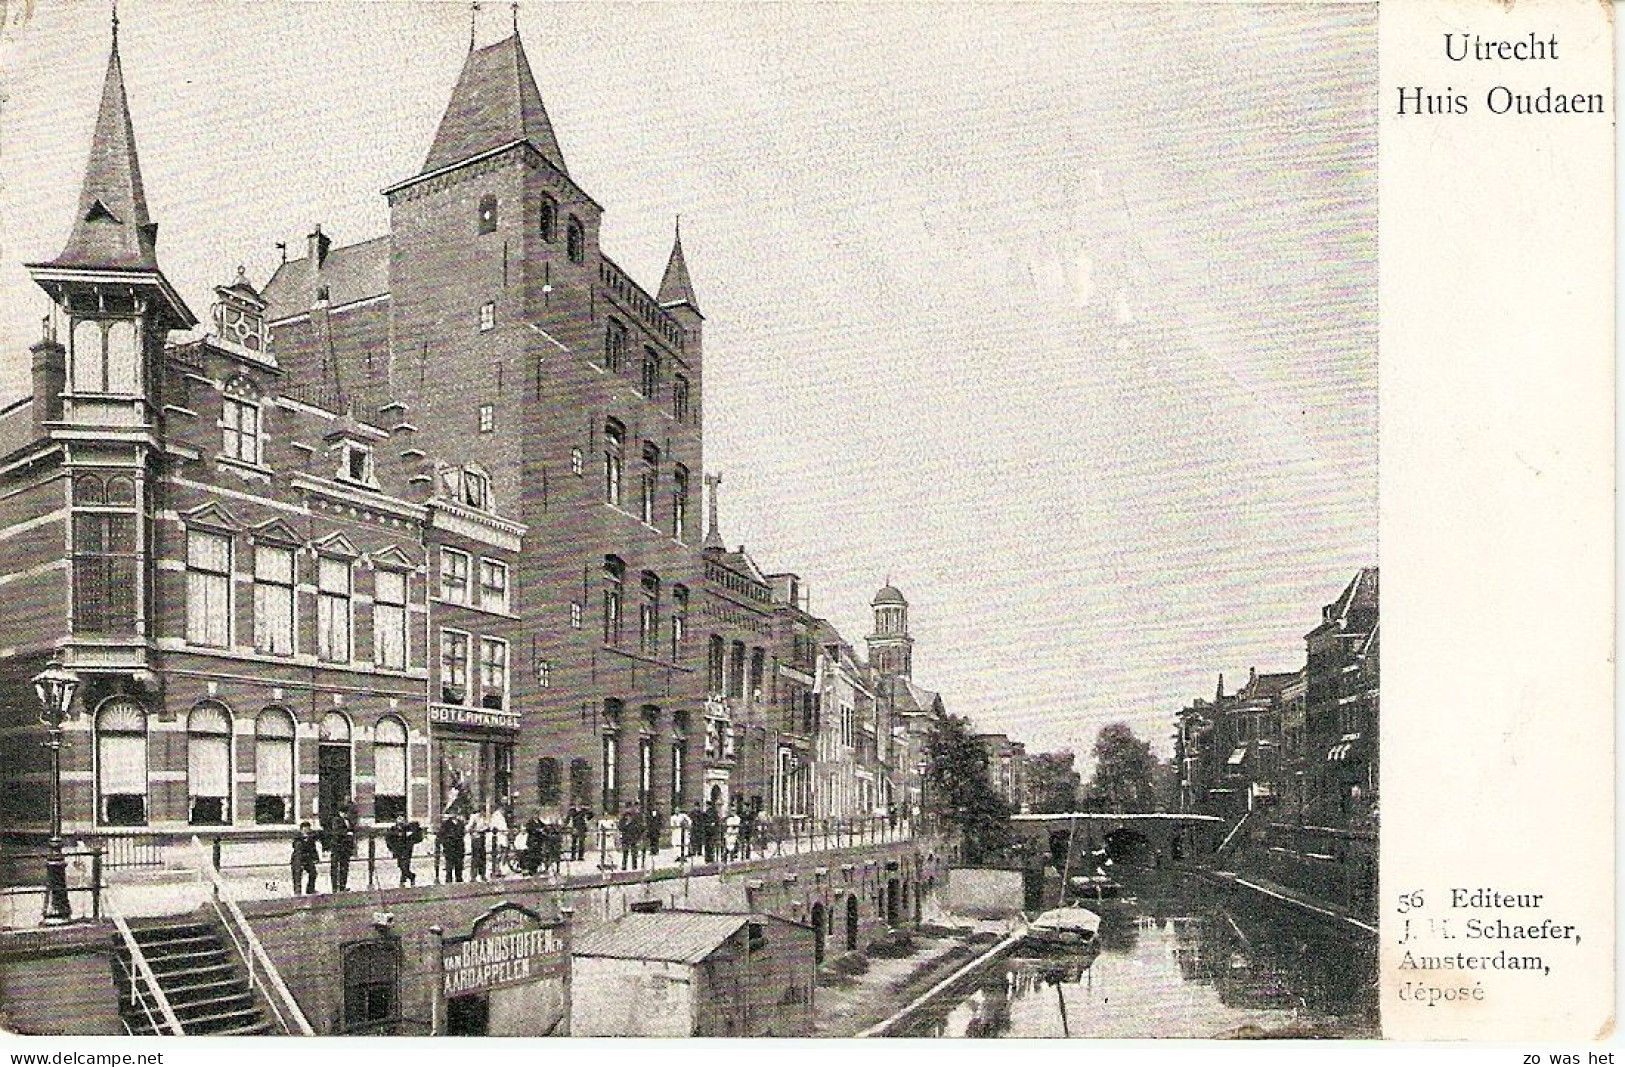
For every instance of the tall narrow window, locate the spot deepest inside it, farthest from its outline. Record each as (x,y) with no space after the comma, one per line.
(105,562)
(488,214)
(208,765)
(493,673)
(679,398)
(716,665)
(549,219)
(679,502)
(649,615)
(273,599)
(454,567)
(679,757)
(333,609)
(240,421)
(356,465)
(453,667)
(549,781)
(477,489)
(389,769)
(679,621)
(650,380)
(758,658)
(614,345)
(611,769)
(389,616)
(493,585)
(646,770)
(208,588)
(488,316)
(273,767)
(614,460)
(575,238)
(121,763)
(736,669)
(614,583)
(581,782)
(106,357)
(649,483)
(488,418)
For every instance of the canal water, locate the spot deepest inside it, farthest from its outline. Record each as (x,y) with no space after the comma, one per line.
(1175,959)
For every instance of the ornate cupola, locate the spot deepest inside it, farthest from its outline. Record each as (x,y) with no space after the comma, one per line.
(891,649)
(239,319)
(106,280)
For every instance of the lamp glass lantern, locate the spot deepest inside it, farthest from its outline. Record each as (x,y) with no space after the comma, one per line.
(55,686)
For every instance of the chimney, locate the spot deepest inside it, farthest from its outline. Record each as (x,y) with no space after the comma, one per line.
(50,375)
(316,246)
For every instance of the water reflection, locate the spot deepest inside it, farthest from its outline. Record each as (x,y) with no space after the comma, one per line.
(1180,963)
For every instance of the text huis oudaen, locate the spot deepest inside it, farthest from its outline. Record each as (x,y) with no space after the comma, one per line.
(1499,99)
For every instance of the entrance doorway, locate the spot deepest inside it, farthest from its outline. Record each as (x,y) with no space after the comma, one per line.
(818,933)
(468,1016)
(851,923)
(333,785)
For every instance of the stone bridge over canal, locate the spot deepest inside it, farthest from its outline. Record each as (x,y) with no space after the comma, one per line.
(1174,835)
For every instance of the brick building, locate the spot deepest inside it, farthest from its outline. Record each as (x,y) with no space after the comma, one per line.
(490,320)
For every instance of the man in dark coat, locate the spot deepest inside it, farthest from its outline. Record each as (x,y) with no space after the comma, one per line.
(531,858)
(451,846)
(340,847)
(402,839)
(631,827)
(711,831)
(654,828)
(307,845)
(696,831)
(580,823)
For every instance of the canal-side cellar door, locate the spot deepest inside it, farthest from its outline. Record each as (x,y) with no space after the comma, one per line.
(508,977)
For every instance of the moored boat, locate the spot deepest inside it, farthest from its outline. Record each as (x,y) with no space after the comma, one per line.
(1067,928)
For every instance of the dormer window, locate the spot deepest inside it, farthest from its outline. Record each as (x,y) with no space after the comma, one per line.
(488,214)
(356,464)
(477,489)
(240,422)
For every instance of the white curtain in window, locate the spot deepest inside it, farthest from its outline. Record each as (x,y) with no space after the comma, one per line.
(121,748)
(208,588)
(335,728)
(273,754)
(208,751)
(123,358)
(87,357)
(273,599)
(389,620)
(389,739)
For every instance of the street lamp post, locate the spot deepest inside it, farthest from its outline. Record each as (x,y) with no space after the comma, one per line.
(55,687)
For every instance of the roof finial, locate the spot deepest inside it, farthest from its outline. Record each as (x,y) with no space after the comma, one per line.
(473,19)
(516,18)
(115,25)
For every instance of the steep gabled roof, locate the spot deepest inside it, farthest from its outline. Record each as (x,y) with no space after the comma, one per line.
(495,103)
(350,273)
(112,230)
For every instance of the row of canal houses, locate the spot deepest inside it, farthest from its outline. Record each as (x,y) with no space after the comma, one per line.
(410,527)
(1300,744)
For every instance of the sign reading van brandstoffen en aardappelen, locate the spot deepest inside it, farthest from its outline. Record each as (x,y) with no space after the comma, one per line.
(509,946)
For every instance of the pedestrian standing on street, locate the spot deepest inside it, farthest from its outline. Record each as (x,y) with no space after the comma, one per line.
(340,847)
(630,828)
(730,840)
(654,828)
(402,839)
(681,825)
(580,824)
(747,827)
(552,847)
(307,845)
(451,846)
(499,839)
(478,827)
(708,831)
(531,863)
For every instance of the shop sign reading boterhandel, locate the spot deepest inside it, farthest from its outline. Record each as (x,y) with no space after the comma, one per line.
(509,945)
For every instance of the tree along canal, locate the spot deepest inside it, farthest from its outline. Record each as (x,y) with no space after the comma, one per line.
(1176,959)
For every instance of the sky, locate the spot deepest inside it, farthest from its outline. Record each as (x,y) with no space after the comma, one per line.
(1062,318)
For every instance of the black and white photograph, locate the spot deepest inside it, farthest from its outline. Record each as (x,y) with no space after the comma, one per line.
(668,520)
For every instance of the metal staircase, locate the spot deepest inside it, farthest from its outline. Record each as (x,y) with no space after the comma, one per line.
(200,987)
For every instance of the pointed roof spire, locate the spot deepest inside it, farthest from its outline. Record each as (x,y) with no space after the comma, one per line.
(112,230)
(713,537)
(676,287)
(495,103)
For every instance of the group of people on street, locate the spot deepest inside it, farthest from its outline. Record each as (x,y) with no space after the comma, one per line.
(487,844)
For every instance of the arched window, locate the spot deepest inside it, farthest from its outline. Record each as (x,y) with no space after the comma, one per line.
(488,214)
(614,585)
(649,614)
(372,987)
(575,241)
(389,769)
(550,218)
(121,763)
(614,461)
(208,765)
(333,766)
(679,621)
(273,767)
